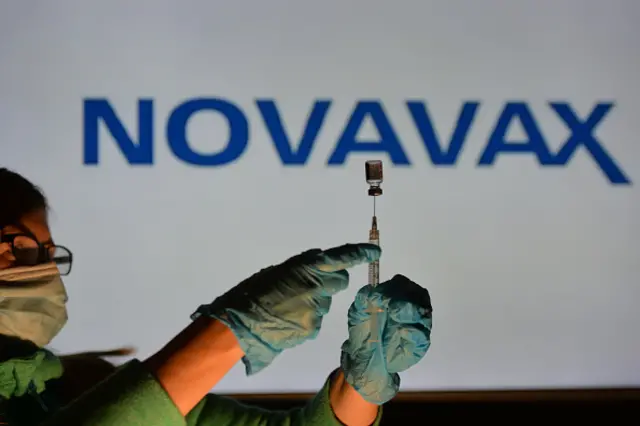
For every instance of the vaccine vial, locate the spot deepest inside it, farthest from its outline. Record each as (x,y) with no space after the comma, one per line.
(373,173)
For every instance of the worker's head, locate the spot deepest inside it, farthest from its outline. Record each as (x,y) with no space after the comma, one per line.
(32,296)
(23,207)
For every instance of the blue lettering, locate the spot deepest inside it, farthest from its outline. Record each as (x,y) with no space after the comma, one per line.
(269,111)
(388,142)
(140,152)
(425,128)
(138,148)
(582,134)
(177,132)
(498,143)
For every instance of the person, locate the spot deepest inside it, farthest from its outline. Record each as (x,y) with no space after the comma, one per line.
(278,308)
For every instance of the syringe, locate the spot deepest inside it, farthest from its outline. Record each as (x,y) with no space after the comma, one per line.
(373,173)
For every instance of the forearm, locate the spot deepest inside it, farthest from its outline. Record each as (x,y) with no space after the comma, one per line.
(195,361)
(191,364)
(347,404)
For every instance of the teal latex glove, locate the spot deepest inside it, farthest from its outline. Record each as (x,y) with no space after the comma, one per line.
(404,330)
(282,306)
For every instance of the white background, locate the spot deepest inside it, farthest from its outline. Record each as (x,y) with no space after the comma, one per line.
(533,271)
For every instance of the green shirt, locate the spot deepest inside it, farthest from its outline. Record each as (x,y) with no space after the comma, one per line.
(133,397)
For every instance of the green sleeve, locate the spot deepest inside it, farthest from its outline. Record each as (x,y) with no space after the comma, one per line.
(133,397)
(129,397)
(221,411)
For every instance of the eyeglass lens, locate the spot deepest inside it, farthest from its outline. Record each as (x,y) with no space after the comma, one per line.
(27,251)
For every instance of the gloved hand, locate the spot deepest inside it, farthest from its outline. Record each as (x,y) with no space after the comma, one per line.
(404,330)
(282,306)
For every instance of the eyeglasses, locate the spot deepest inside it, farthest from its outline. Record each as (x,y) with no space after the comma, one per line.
(28,251)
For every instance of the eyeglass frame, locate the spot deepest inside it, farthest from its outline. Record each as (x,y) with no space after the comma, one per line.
(43,248)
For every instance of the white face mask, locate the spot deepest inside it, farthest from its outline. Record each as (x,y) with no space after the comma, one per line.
(32,303)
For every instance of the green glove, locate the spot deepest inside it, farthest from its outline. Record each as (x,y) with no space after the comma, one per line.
(282,306)
(404,327)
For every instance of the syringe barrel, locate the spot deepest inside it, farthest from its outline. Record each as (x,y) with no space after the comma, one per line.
(374,267)
(374,273)
(373,171)
(374,280)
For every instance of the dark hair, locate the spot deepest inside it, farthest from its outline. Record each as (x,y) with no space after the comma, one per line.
(18,197)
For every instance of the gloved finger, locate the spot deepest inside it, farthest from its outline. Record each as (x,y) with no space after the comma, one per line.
(366,300)
(409,322)
(361,301)
(323,305)
(406,345)
(316,326)
(405,298)
(346,256)
(334,282)
(402,313)
(362,329)
(357,313)
(401,300)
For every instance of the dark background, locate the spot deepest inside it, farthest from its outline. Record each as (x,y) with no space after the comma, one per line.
(568,407)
